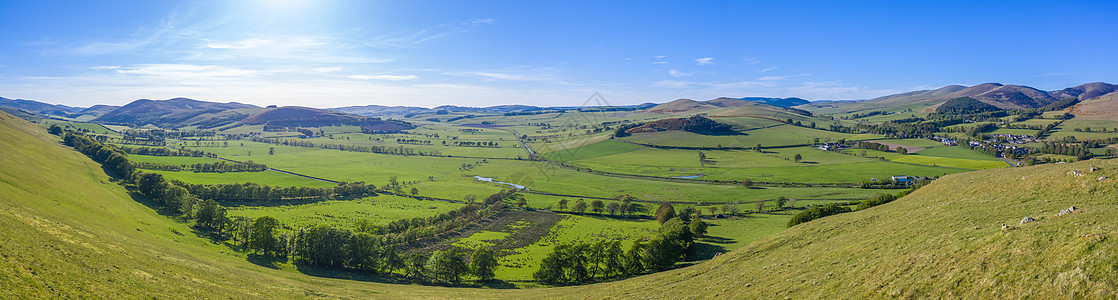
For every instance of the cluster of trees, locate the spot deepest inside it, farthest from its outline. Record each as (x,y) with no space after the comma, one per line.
(586,261)
(815,212)
(702,125)
(1081,151)
(164,152)
(965,105)
(255,192)
(216,167)
(401,150)
(414,141)
(624,207)
(866,115)
(1061,104)
(472,144)
(160,134)
(872,146)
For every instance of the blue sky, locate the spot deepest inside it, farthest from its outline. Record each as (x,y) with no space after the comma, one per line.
(558,53)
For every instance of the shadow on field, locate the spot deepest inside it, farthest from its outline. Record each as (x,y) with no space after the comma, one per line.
(157,207)
(266,261)
(705,251)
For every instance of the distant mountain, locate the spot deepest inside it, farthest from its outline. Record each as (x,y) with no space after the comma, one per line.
(732,106)
(781,102)
(98,110)
(39,107)
(176,112)
(1086,91)
(380,110)
(296,116)
(996,94)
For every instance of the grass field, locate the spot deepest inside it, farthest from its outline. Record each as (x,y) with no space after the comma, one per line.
(69,231)
(343,213)
(263,178)
(782,135)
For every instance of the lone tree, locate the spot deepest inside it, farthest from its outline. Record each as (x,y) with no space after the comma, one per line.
(597,206)
(780,202)
(483,263)
(562,204)
(580,206)
(665,212)
(271,150)
(746,182)
(471,199)
(902,150)
(798,157)
(414,191)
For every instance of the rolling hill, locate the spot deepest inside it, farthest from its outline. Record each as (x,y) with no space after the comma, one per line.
(295,116)
(69,231)
(1002,96)
(39,107)
(175,112)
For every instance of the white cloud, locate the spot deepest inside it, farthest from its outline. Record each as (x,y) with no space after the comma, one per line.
(659,62)
(326,69)
(384,77)
(767,69)
(478,22)
(781,77)
(104,68)
(678,73)
(675,84)
(704,61)
(185,71)
(243,44)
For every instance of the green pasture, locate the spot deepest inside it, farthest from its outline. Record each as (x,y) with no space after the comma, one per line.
(782,135)
(271,178)
(379,209)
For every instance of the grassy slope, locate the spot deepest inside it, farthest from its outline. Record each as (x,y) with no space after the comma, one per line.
(68,231)
(944,240)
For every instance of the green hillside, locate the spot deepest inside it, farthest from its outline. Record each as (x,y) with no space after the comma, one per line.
(69,231)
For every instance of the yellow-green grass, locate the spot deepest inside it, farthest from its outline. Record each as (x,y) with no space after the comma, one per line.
(950,162)
(782,135)
(380,209)
(776,165)
(571,229)
(95,128)
(1067,129)
(170,160)
(68,232)
(901,249)
(566,182)
(371,168)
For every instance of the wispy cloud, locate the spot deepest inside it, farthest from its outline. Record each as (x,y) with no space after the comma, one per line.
(659,62)
(782,77)
(243,44)
(704,61)
(678,73)
(384,77)
(414,38)
(185,71)
(767,69)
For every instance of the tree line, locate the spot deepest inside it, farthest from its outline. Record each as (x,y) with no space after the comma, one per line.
(215,167)
(586,261)
(399,150)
